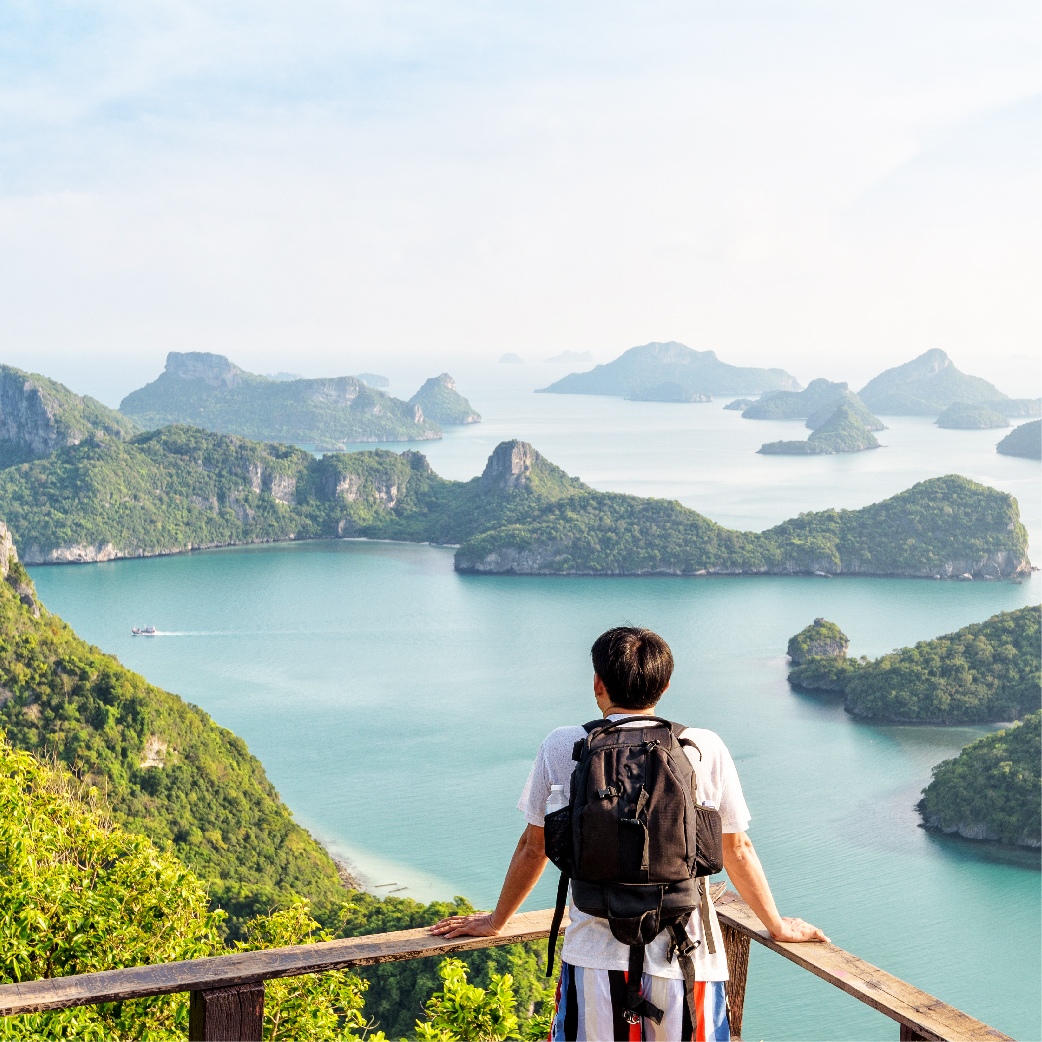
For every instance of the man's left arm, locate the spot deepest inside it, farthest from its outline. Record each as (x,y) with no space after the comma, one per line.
(526,866)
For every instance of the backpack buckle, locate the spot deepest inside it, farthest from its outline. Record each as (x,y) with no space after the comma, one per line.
(630,1016)
(610,792)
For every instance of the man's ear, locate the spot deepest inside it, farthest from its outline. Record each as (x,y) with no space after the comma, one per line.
(599,690)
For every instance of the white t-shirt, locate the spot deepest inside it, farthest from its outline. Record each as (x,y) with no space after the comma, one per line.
(588,941)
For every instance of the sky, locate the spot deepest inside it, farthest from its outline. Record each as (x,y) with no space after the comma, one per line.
(330,187)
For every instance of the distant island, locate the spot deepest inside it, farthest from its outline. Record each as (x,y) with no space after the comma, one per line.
(739,404)
(668,392)
(181,488)
(990,791)
(984,672)
(964,416)
(925,386)
(817,404)
(209,391)
(1025,440)
(39,415)
(374,379)
(843,431)
(511,359)
(442,403)
(283,377)
(651,365)
(571,358)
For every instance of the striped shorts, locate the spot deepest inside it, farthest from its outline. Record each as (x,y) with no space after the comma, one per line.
(589,1008)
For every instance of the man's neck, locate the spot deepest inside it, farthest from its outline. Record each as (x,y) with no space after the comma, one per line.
(623,711)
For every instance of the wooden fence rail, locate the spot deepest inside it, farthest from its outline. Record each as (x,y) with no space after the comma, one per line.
(227,991)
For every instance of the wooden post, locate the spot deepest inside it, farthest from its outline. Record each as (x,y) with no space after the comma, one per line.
(227,1014)
(911,1035)
(736,944)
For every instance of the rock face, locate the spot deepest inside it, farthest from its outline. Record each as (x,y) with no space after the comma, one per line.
(14,574)
(819,639)
(215,370)
(38,415)
(510,466)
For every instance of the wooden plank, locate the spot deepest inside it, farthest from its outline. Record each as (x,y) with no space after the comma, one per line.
(224,971)
(227,1014)
(736,945)
(926,1016)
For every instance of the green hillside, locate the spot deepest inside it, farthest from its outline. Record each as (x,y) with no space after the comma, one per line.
(167,770)
(1024,440)
(653,364)
(182,488)
(991,789)
(211,392)
(986,671)
(964,416)
(39,415)
(442,403)
(843,431)
(816,404)
(925,386)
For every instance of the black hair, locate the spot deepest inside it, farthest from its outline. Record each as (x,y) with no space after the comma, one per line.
(634,665)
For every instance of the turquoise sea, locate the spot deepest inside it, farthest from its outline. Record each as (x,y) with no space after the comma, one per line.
(397,706)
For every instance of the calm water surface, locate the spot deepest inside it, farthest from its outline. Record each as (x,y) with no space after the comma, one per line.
(397,706)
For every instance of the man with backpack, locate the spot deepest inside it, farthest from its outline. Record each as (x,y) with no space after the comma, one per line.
(636,812)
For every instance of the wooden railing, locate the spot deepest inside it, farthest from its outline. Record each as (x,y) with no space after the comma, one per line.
(227,991)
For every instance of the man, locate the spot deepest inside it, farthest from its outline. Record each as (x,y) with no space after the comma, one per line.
(632,670)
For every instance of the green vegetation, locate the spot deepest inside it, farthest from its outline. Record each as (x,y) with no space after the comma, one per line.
(398,991)
(1025,440)
(210,392)
(81,894)
(442,403)
(983,672)
(965,417)
(38,415)
(991,789)
(843,431)
(739,404)
(167,770)
(700,372)
(925,386)
(820,639)
(181,487)
(817,404)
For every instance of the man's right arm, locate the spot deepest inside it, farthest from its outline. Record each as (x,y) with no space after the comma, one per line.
(746,873)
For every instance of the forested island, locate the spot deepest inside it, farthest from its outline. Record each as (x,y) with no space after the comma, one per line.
(817,404)
(442,403)
(965,416)
(183,848)
(1025,440)
(990,791)
(988,671)
(209,391)
(925,386)
(843,431)
(639,369)
(183,488)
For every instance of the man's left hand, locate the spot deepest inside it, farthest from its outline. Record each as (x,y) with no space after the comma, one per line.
(797,930)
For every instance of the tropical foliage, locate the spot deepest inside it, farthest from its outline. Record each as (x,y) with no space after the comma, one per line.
(182,487)
(991,789)
(820,638)
(966,416)
(843,431)
(1025,440)
(167,770)
(442,403)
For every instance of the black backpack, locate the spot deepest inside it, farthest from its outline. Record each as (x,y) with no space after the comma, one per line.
(636,844)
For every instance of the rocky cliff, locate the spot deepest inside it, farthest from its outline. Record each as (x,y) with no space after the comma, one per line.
(38,415)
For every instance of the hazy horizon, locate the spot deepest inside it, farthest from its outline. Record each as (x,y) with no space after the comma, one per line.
(329,189)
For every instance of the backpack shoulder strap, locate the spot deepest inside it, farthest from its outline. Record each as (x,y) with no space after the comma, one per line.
(678,730)
(555,926)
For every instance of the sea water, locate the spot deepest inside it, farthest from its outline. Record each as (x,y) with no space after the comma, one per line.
(397,706)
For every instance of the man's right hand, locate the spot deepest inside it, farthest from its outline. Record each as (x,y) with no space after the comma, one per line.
(477,925)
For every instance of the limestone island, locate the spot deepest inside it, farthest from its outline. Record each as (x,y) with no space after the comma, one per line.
(843,431)
(1025,440)
(990,790)
(816,404)
(670,391)
(441,402)
(964,416)
(824,645)
(650,365)
(511,359)
(739,404)
(211,392)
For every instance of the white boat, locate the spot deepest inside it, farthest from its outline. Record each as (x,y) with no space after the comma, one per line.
(147,631)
